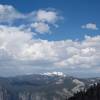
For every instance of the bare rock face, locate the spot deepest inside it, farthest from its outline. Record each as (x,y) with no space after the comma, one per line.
(24,96)
(54,86)
(4,94)
(34,96)
(30,96)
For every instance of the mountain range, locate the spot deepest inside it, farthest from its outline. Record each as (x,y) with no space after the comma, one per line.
(47,86)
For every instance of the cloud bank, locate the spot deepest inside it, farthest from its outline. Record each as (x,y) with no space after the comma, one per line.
(19,51)
(22,53)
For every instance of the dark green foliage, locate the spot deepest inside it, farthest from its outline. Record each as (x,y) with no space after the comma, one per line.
(92,93)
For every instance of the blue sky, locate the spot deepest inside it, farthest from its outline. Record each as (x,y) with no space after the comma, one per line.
(75,13)
(38,36)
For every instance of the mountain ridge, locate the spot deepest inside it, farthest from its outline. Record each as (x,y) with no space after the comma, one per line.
(42,87)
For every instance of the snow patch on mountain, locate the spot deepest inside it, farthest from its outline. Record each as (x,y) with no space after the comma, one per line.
(55,74)
(76,81)
(79,85)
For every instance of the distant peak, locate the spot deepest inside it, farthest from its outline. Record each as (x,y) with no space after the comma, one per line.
(55,74)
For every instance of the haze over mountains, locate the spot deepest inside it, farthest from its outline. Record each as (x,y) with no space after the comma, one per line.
(48,86)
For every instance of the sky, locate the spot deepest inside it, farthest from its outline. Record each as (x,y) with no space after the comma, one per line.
(38,36)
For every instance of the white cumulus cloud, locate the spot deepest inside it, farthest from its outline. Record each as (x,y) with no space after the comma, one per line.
(41,20)
(8,13)
(41,27)
(20,51)
(47,16)
(91,26)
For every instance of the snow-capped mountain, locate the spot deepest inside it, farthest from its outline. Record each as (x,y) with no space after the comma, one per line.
(55,74)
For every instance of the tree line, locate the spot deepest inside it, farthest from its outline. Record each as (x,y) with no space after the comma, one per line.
(92,93)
